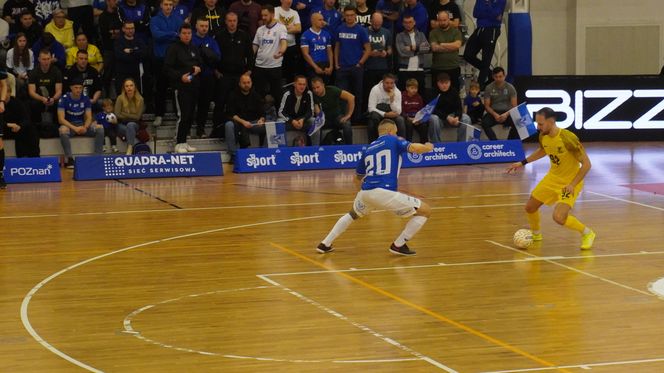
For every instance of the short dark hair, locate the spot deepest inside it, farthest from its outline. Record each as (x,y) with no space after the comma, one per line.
(390,76)
(81,51)
(316,79)
(350,7)
(547,112)
(497,70)
(185,26)
(443,77)
(268,7)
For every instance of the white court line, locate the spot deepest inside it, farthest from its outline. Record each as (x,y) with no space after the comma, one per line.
(582,366)
(628,201)
(362,327)
(28,297)
(588,274)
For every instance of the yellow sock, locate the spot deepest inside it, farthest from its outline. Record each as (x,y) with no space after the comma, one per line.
(574,224)
(534,221)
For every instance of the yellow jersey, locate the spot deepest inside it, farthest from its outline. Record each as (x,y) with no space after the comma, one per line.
(565,153)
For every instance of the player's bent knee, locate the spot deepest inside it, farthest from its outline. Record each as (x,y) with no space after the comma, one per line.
(423,210)
(560,217)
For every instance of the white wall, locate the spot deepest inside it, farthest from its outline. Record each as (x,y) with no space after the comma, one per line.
(553,36)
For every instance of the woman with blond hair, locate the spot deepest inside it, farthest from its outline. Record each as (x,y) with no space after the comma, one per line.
(129,107)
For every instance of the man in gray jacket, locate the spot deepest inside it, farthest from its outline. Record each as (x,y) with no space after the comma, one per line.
(411,45)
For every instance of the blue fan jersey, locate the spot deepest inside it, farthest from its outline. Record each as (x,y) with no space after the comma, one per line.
(74,109)
(381,162)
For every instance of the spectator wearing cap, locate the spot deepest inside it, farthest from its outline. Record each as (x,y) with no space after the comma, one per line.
(75,119)
(61,28)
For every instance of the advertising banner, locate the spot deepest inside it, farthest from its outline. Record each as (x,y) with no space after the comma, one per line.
(32,170)
(147,166)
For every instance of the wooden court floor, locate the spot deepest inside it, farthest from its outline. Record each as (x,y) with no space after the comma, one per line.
(220,275)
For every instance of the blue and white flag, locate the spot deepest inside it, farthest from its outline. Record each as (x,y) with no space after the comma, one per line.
(523,122)
(319,122)
(275,132)
(424,114)
(472,133)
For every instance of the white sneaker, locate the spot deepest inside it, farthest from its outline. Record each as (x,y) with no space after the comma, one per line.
(189,147)
(115,149)
(180,148)
(156,121)
(105,149)
(130,149)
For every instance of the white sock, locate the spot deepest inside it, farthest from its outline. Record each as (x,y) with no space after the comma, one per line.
(412,227)
(338,229)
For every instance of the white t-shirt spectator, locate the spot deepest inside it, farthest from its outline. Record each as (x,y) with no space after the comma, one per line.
(286,18)
(267,39)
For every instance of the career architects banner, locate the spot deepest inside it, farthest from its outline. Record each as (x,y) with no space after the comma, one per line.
(147,166)
(347,156)
(32,170)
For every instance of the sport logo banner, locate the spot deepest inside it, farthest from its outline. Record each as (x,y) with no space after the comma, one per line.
(146,166)
(32,170)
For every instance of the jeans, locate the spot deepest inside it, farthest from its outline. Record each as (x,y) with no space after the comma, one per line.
(128,130)
(235,131)
(436,125)
(96,131)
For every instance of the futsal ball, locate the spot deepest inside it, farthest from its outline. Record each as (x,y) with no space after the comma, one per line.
(111,118)
(523,238)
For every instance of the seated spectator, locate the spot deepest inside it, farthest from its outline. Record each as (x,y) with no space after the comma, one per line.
(129,108)
(107,118)
(297,109)
(20,61)
(82,71)
(384,102)
(472,104)
(57,51)
(3,97)
(17,124)
(4,33)
(316,45)
(246,115)
(448,111)
(45,89)
(249,16)
(95,58)
(12,9)
(75,119)
(411,103)
(28,26)
(61,28)
(499,98)
(329,100)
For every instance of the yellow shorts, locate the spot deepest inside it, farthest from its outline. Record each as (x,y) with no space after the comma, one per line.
(550,192)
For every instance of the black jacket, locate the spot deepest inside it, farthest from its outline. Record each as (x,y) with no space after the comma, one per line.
(128,62)
(449,103)
(181,59)
(248,107)
(287,107)
(241,59)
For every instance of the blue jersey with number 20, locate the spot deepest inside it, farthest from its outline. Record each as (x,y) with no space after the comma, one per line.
(381,162)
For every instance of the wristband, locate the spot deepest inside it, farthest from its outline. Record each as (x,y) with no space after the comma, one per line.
(524,161)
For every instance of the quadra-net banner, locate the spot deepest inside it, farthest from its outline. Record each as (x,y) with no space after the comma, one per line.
(146,166)
(347,156)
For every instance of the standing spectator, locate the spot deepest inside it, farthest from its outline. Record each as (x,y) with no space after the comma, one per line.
(75,118)
(363,13)
(183,66)
(95,58)
(297,109)
(411,103)
(445,43)
(291,20)
(45,89)
(448,111)
(411,45)
(110,29)
(304,10)
(28,26)
(331,16)
(489,14)
(20,61)
(48,42)
(137,13)
(19,127)
(378,63)
(83,72)
(472,104)
(61,28)
(248,14)
(211,11)
(231,65)
(329,100)
(499,98)
(3,98)
(210,55)
(80,12)
(44,10)
(130,57)
(390,9)
(164,27)
(246,115)
(182,11)
(316,44)
(269,46)
(448,6)
(385,102)
(351,52)
(13,9)
(129,108)
(415,9)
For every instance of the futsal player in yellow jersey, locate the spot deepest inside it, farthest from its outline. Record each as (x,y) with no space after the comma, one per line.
(563,183)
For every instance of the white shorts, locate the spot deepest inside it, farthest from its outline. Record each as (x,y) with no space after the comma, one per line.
(400,204)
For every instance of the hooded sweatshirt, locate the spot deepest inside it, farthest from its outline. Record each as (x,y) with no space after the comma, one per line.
(64,35)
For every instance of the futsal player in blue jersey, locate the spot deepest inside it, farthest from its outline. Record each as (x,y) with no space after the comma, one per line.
(379,171)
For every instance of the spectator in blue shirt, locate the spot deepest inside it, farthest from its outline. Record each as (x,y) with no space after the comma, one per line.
(331,16)
(390,10)
(75,118)
(489,14)
(316,45)
(304,9)
(351,52)
(209,50)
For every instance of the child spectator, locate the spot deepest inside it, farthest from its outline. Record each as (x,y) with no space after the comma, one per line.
(472,104)
(411,103)
(109,120)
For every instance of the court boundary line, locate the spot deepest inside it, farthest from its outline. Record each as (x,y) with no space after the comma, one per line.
(582,366)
